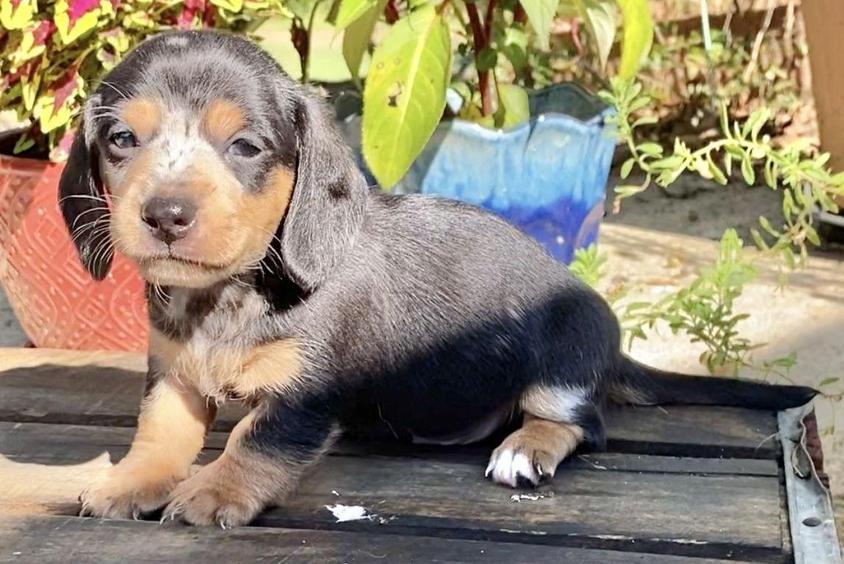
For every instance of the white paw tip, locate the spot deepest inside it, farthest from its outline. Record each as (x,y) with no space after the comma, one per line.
(507,467)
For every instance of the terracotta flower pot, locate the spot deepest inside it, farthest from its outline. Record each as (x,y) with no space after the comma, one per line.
(56,302)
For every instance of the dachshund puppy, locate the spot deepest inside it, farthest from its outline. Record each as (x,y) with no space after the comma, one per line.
(275,276)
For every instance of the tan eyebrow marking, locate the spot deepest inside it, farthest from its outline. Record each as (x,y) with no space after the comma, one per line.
(221,120)
(143,115)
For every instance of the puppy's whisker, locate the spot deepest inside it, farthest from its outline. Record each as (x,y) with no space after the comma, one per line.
(272,253)
(96,209)
(92,226)
(113,115)
(102,251)
(159,292)
(96,198)
(121,93)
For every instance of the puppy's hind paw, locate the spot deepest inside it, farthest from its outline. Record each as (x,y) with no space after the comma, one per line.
(514,469)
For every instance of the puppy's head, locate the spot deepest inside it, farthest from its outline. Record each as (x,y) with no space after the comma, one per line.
(198,158)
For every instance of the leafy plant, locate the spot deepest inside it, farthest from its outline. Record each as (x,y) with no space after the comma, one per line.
(803,179)
(492,44)
(52,51)
(588,265)
(704,310)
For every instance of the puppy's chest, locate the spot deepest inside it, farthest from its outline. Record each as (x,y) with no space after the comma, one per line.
(220,358)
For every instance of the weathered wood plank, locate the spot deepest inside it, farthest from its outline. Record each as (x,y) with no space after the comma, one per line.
(55,386)
(74,444)
(44,467)
(693,431)
(625,510)
(47,539)
(824,22)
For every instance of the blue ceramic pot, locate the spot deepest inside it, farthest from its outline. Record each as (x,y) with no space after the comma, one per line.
(547,176)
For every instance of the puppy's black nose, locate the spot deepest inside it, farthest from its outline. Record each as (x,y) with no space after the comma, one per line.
(169,219)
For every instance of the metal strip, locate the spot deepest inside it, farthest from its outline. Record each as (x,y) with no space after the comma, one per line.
(810,516)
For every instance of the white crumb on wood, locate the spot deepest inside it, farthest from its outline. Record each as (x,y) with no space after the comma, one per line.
(335,493)
(518,498)
(348,512)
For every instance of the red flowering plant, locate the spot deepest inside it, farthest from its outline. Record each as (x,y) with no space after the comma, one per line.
(51,52)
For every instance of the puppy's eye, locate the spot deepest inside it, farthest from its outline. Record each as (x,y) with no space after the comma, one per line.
(123,139)
(243,148)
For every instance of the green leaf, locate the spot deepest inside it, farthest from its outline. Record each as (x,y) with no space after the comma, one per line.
(766,225)
(812,236)
(654,149)
(757,238)
(787,203)
(301,8)
(23,143)
(788,254)
(715,171)
(568,9)
(600,20)
(404,95)
(349,11)
(230,5)
(513,101)
(515,48)
(540,15)
(645,120)
(486,59)
(755,122)
(770,174)
(828,381)
(627,167)
(356,38)
(628,190)
(747,171)
(638,35)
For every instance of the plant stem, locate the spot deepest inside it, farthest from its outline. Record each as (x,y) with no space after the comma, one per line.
(519,15)
(490,12)
(575,37)
(309,32)
(391,12)
(301,42)
(480,35)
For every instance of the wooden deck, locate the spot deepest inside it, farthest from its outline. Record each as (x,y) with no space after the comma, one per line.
(676,485)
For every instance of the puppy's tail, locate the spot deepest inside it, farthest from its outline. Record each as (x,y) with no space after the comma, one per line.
(638,384)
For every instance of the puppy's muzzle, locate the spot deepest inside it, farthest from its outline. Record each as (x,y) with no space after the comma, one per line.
(169,219)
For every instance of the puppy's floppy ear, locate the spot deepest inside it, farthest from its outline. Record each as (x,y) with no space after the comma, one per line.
(84,206)
(328,202)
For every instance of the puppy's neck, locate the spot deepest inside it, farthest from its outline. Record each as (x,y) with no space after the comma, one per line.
(217,310)
(179,311)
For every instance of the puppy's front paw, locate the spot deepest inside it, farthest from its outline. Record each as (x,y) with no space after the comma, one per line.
(214,494)
(122,492)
